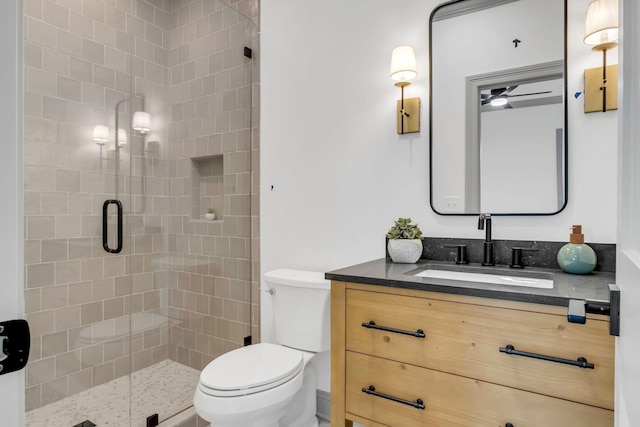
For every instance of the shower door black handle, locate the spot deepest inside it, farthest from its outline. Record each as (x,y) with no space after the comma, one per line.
(105,232)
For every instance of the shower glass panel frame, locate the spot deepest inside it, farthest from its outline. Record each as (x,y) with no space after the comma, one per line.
(119,337)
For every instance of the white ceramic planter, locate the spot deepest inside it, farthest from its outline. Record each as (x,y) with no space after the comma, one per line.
(405,251)
(210,216)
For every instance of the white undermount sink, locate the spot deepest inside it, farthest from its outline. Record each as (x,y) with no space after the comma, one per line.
(494,279)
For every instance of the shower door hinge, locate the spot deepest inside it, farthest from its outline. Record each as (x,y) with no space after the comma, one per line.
(248,52)
(247,340)
(153,420)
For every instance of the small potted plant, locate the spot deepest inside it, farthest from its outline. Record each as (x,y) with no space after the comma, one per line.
(211,214)
(405,241)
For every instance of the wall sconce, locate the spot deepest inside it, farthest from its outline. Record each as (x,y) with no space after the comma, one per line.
(142,122)
(601,32)
(403,69)
(100,134)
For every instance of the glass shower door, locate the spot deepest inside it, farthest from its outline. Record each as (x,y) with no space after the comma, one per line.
(138,120)
(78,78)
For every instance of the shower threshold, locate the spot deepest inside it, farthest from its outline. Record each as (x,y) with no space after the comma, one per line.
(165,388)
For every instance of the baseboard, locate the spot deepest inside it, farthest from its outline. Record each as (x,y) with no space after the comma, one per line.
(323,404)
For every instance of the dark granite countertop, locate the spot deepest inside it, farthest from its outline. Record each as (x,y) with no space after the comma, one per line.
(591,287)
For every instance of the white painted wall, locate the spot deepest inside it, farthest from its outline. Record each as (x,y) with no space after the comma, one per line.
(334,173)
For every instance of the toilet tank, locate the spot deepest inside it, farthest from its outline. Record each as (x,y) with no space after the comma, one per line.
(301,308)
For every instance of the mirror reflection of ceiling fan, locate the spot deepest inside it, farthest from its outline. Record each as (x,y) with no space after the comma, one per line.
(499,97)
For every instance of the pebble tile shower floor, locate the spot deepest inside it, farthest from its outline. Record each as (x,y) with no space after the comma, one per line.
(164,386)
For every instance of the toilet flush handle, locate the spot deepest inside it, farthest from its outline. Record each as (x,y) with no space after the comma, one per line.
(270,291)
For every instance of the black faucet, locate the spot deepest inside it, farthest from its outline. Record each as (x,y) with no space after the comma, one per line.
(484,220)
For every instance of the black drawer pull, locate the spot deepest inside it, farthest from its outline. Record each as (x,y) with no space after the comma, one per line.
(105,215)
(372,325)
(581,362)
(418,404)
(508,425)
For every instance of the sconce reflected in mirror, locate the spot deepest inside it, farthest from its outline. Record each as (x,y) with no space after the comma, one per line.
(100,134)
(601,32)
(141,122)
(403,69)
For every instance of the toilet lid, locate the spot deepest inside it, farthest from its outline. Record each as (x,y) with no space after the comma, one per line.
(250,369)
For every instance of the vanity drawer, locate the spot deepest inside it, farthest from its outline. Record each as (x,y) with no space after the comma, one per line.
(452,400)
(465,339)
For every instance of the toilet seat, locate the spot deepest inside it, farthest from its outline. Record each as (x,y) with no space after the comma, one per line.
(250,370)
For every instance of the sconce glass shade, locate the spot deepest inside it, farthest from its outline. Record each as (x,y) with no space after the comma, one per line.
(403,63)
(601,23)
(142,122)
(122,137)
(100,134)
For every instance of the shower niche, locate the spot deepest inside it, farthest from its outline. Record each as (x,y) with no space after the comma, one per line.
(207,186)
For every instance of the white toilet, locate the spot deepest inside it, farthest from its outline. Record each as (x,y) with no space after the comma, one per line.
(273,385)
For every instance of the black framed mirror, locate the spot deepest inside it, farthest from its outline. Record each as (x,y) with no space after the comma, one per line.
(498,114)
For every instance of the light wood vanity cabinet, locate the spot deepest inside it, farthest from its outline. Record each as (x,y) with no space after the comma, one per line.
(438,355)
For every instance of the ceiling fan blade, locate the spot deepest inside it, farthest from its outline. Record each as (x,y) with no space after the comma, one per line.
(527,94)
(509,89)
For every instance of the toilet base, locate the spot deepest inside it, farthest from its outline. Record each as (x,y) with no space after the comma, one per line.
(302,410)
